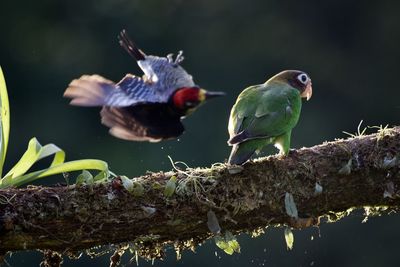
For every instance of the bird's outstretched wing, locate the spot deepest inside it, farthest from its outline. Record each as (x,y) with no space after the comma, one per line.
(164,74)
(144,122)
(137,91)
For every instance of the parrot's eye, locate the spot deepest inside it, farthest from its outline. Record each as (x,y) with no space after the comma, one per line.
(303,78)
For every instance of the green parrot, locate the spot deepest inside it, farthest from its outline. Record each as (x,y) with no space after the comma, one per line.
(266,114)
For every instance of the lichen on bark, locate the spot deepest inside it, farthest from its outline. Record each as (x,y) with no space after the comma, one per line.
(326,180)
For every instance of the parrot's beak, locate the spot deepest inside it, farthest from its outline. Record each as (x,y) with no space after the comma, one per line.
(307,93)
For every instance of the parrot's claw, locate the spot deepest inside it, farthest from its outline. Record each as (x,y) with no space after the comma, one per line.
(234,169)
(281,156)
(292,152)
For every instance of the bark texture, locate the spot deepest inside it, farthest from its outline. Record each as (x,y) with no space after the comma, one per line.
(324,180)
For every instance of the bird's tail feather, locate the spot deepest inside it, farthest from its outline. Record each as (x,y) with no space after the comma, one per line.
(89,91)
(240,154)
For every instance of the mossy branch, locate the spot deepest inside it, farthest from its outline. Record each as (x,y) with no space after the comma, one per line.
(324,180)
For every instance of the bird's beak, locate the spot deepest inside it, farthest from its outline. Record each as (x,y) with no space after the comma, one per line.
(211,94)
(206,95)
(307,93)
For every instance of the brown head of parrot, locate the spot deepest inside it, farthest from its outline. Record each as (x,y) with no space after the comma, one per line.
(298,79)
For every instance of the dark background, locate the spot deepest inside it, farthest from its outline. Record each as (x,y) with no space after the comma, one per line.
(349,48)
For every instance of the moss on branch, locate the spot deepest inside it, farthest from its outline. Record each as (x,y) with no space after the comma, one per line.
(326,180)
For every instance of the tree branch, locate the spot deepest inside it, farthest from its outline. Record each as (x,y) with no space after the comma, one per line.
(324,180)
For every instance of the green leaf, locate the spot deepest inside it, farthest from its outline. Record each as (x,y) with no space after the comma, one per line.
(290,206)
(132,186)
(101,176)
(127,183)
(318,189)
(4,120)
(33,153)
(85,177)
(77,165)
(389,162)
(228,244)
(346,169)
(138,189)
(228,250)
(5,182)
(212,222)
(222,244)
(170,186)
(1,148)
(289,238)
(232,242)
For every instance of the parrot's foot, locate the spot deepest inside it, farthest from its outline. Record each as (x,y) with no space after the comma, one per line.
(282,155)
(290,152)
(234,169)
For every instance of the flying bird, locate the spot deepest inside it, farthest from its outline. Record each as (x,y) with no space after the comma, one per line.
(266,114)
(147,108)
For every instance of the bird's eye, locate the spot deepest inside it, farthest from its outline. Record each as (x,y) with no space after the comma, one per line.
(190,104)
(303,78)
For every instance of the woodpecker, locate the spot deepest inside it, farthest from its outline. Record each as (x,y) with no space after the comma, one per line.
(148,108)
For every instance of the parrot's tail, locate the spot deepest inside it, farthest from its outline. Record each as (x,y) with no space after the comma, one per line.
(89,91)
(240,154)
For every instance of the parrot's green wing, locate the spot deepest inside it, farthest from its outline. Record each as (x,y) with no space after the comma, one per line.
(264,111)
(244,106)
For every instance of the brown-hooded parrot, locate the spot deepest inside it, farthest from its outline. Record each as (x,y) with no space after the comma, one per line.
(266,114)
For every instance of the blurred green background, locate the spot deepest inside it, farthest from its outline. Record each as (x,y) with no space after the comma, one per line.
(349,48)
